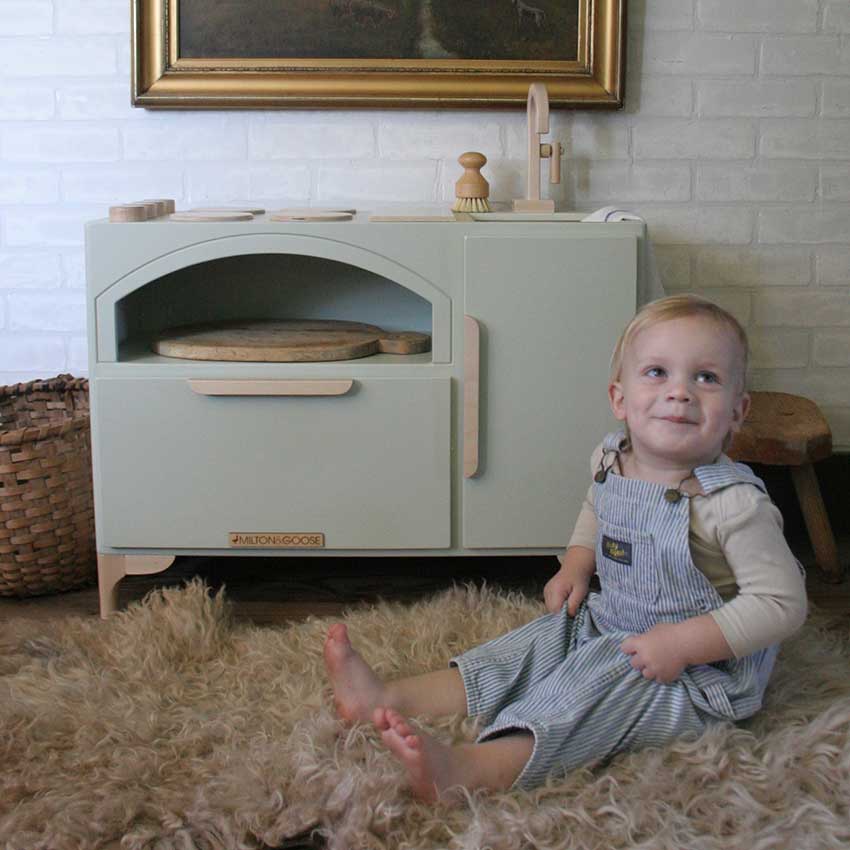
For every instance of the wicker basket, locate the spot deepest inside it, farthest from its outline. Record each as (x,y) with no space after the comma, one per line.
(46,506)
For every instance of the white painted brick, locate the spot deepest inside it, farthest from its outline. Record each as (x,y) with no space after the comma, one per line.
(796,55)
(58,311)
(97,101)
(26,102)
(805,225)
(759,99)
(808,309)
(92,17)
(28,185)
(661,15)
(411,182)
(827,387)
(73,269)
(2,313)
(737,303)
(832,348)
(753,267)
(283,184)
(49,226)
(661,96)
(593,137)
(614,182)
(758,15)
(797,138)
(292,137)
(778,348)
(217,184)
(674,267)
(54,57)
(7,378)
(695,54)
(835,183)
(678,139)
(26,17)
(121,182)
(835,101)
(191,137)
(839,424)
(59,143)
(833,265)
(420,137)
(763,182)
(698,225)
(78,355)
(29,270)
(837,16)
(32,352)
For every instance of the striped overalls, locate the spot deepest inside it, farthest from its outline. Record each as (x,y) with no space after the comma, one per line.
(566,680)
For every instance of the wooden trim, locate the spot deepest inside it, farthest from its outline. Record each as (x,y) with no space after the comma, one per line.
(112,568)
(270,388)
(471,376)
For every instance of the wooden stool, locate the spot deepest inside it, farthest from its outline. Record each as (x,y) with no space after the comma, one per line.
(789,430)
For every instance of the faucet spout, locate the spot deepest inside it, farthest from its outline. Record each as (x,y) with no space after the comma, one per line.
(537,119)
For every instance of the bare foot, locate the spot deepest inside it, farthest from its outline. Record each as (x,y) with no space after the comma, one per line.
(432,767)
(357,689)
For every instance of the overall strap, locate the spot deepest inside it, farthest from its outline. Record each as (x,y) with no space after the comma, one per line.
(716,476)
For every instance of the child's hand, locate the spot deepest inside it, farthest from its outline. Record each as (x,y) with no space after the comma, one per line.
(657,653)
(571,582)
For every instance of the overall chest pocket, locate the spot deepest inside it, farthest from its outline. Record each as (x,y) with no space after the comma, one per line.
(627,562)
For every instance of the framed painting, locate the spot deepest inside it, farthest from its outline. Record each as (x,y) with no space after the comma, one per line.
(376,53)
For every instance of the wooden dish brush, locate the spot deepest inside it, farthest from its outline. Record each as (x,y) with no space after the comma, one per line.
(472,190)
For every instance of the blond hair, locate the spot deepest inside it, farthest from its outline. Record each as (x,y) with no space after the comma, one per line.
(679,307)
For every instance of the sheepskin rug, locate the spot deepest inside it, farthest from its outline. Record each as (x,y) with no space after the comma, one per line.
(172,726)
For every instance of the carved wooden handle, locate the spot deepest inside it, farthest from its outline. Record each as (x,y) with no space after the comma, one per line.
(271,388)
(471,370)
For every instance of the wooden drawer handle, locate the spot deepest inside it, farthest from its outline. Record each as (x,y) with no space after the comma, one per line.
(471,360)
(248,388)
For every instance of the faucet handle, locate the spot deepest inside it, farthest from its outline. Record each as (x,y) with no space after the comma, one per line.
(553,153)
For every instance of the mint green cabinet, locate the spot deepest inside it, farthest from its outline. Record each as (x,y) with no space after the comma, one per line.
(549,311)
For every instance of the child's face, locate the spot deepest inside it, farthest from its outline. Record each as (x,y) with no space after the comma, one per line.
(680,390)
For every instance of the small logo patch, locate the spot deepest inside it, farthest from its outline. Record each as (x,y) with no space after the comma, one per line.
(277,540)
(617,550)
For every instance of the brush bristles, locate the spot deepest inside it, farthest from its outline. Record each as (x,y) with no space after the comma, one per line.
(479,205)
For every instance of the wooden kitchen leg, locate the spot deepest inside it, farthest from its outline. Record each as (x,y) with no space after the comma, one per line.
(112,568)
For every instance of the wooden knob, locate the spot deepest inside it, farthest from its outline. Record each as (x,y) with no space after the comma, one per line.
(472,184)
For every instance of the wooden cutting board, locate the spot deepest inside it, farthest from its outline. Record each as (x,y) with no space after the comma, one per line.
(286,341)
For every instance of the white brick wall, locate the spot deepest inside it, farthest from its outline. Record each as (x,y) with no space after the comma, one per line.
(734,144)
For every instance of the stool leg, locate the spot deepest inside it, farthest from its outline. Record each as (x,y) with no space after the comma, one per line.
(817,521)
(110,570)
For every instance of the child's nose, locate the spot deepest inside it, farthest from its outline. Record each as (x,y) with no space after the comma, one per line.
(679,392)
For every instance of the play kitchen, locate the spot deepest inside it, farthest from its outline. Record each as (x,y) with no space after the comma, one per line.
(266,384)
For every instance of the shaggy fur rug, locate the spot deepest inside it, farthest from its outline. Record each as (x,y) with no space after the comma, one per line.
(172,726)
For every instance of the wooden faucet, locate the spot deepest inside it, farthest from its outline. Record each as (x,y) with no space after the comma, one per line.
(537,118)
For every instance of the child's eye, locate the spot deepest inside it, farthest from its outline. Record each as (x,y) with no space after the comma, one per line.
(655,372)
(707,378)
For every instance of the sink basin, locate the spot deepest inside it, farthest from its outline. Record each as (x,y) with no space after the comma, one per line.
(512,216)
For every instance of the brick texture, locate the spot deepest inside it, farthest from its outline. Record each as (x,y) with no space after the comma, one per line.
(734,144)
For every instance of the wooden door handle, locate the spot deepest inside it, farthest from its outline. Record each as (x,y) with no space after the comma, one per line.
(471,371)
(270,388)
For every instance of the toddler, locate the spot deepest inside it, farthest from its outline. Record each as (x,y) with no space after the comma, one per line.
(698,587)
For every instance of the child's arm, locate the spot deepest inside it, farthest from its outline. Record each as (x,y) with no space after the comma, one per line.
(665,650)
(572,581)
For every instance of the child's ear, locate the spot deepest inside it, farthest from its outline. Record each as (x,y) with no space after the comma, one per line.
(617,400)
(740,410)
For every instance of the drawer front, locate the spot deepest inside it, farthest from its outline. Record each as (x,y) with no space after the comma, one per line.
(182,467)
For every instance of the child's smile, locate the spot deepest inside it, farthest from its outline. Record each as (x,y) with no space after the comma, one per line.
(680,393)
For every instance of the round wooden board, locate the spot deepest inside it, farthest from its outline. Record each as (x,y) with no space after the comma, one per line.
(286,341)
(310,215)
(211,216)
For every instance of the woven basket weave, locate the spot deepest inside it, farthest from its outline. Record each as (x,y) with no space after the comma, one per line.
(46,505)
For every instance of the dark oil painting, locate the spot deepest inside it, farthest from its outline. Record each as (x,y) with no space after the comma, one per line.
(545,30)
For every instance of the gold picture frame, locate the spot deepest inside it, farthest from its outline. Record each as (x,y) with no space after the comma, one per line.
(162,78)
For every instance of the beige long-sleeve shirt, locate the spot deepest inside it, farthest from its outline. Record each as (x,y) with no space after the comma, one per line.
(736,541)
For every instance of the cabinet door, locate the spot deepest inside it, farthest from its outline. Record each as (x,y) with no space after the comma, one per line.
(549,311)
(180,469)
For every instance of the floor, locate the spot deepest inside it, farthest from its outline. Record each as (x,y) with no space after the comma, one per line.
(278,590)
